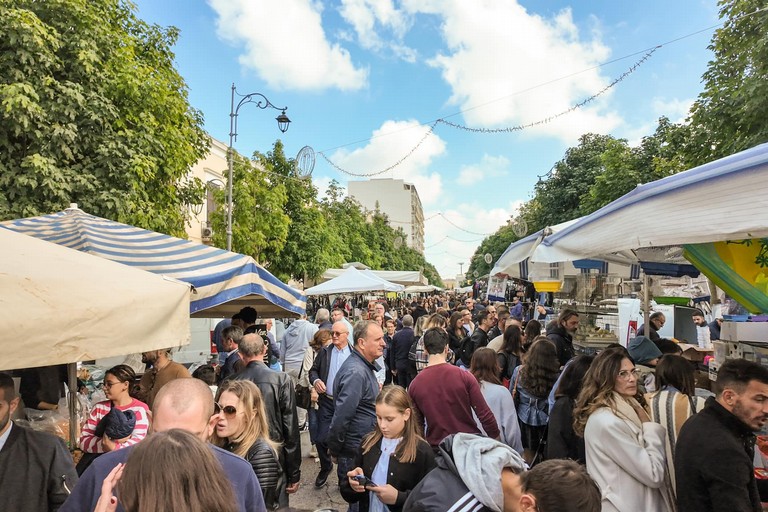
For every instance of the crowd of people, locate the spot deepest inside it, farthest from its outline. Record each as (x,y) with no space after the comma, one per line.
(440,405)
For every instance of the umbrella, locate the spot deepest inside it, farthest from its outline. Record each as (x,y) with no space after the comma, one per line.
(223,281)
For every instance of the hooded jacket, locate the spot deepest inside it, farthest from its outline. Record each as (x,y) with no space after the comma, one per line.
(467,476)
(563,341)
(295,342)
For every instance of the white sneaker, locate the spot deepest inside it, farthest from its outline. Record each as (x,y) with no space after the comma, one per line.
(313,451)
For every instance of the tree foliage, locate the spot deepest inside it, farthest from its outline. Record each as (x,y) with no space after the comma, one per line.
(731,114)
(93,111)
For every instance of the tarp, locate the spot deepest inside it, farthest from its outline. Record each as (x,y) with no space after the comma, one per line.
(351,281)
(723,200)
(422,289)
(223,281)
(404,277)
(61,306)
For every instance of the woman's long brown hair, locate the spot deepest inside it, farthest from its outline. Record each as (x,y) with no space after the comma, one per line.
(599,383)
(397,397)
(174,470)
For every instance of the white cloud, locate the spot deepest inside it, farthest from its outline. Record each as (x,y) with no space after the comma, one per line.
(508,65)
(368,17)
(303,59)
(447,245)
(392,141)
(489,167)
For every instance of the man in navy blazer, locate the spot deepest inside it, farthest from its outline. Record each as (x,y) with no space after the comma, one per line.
(398,355)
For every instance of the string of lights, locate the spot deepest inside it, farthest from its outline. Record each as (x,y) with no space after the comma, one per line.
(584,102)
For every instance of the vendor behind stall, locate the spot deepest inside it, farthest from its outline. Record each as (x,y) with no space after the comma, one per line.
(43,387)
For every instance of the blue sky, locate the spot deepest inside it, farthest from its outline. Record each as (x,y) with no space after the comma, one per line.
(364,79)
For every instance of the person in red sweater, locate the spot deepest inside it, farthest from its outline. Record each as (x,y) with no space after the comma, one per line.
(445,396)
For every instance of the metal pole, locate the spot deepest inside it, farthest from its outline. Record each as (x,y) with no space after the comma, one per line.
(73,404)
(230,163)
(646,304)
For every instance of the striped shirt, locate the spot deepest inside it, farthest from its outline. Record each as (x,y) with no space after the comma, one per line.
(88,441)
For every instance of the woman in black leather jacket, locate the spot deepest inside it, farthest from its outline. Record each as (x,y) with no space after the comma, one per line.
(242,429)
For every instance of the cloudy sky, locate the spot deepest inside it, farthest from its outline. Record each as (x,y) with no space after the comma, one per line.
(364,80)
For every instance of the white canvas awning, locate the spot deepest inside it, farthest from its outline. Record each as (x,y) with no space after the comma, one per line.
(62,306)
(723,200)
(404,277)
(422,289)
(352,280)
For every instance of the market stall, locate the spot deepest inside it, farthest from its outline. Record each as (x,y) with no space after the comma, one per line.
(223,281)
(353,281)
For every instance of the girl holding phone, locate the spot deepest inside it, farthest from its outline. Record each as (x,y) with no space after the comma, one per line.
(393,457)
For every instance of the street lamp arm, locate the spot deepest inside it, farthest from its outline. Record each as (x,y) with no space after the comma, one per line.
(257,99)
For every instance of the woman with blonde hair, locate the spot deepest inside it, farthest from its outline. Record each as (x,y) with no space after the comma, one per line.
(168,471)
(624,448)
(242,429)
(392,459)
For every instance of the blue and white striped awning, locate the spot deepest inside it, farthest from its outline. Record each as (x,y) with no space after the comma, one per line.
(223,281)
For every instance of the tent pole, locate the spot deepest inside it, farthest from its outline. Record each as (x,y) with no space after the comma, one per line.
(72,401)
(646,303)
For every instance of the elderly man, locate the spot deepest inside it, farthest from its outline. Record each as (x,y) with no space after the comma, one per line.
(36,469)
(279,397)
(186,404)
(323,319)
(322,376)
(657,321)
(355,392)
(339,315)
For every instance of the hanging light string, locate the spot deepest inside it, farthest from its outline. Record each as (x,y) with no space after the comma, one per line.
(510,129)
(448,237)
(368,175)
(449,221)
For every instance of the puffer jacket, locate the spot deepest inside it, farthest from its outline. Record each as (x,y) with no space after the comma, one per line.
(265,464)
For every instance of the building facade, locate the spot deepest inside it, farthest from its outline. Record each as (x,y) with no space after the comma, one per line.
(398,200)
(212,170)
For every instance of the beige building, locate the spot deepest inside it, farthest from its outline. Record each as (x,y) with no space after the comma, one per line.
(212,170)
(398,200)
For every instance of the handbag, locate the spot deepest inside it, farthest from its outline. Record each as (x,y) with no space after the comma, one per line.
(303,394)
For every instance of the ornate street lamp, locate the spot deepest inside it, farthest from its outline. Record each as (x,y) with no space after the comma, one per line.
(262,102)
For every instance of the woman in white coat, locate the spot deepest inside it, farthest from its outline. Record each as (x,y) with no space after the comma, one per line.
(625,450)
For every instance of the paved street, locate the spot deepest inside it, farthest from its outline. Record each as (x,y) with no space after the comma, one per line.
(308,498)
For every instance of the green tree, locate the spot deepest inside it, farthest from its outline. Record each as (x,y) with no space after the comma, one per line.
(93,111)
(259,224)
(731,113)
(310,247)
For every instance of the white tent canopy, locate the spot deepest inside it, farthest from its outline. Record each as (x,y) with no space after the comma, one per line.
(404,277)
(422,289)
(718,201)
(77,307)
(352,280)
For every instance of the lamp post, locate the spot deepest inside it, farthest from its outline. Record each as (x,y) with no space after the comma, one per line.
(262,102)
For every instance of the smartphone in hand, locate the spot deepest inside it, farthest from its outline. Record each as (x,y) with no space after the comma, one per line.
(364,481)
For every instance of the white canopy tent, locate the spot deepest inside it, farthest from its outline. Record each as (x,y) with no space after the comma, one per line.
(422,289)
(723,200)
(352,280)
(80,307)
(404,277)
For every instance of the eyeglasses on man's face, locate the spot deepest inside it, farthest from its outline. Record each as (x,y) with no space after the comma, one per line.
(336,334)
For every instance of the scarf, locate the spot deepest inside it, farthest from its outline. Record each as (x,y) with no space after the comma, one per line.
(624,409)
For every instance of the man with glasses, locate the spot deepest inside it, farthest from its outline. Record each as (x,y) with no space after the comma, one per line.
(657,321)
(279,397)
(322,376)
(186,404)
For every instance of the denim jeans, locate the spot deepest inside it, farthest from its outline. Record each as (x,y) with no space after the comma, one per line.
(344,465)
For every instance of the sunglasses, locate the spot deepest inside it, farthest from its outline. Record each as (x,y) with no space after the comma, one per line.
(338,333)
(228,410)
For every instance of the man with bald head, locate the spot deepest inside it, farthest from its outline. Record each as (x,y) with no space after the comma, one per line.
(185,404)
(279,397)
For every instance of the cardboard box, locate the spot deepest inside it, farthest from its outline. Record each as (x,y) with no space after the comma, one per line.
(744,331)
(694,353)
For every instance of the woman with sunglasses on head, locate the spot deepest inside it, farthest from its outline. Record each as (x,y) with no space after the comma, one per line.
(391,460)
(242,429)
(106,430)
(624,449)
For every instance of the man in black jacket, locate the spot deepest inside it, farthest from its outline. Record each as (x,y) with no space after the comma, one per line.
(398,354)
(322,377)
(36,469)
(280,403)
(716,447)
(479,338)
(355,392)
(562,335)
